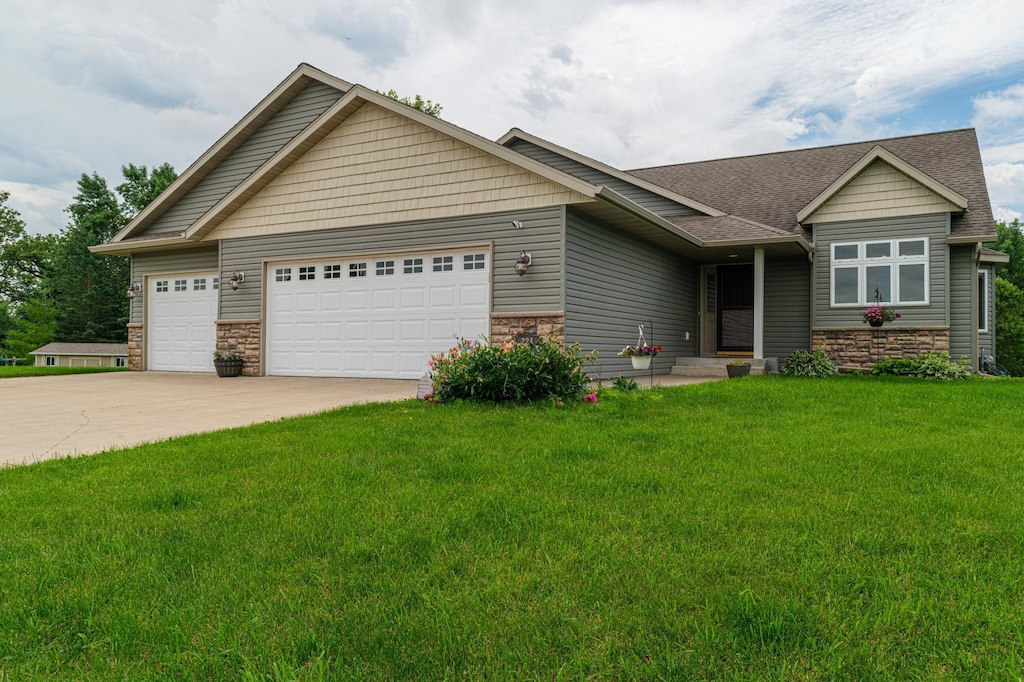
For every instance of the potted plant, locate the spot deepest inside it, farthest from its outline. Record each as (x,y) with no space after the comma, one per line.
(738,368)
(227,364)
(877,315)
(640,355)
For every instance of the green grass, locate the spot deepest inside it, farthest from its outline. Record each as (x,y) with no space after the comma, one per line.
(31,371)
(764,528)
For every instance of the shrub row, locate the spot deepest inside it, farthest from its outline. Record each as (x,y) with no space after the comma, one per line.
(927,366)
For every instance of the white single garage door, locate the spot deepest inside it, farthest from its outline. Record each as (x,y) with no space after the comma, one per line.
(182,327)
(380,316)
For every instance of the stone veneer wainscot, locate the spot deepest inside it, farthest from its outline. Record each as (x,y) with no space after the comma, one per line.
(507,326)
(242,337)
(135,346)
(861,347)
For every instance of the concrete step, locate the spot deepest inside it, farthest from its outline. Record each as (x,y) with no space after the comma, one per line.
(716,367)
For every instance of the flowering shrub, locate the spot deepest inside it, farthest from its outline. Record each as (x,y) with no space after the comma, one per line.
(879,313)
(511,372)
(636,351)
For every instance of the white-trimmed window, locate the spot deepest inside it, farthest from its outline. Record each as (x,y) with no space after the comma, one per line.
(983,301)
(51,361)
(474,261)
(385,267)
(332,271)
(283,275)
(181,285)
(307,272)
(411,266)
(357,269)
(892,271)
(216,283)
(161,286)
(120,362)
(199,284)
(443,263)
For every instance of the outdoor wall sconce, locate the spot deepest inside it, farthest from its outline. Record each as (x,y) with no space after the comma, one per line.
(237,278)
(134,290)
(518,224)
(523,263)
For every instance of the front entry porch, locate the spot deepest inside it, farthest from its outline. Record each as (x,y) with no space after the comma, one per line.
(732,309)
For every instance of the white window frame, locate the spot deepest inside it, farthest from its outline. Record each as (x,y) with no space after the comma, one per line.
(120,361)
(983,301)
(894,261)
(51,361)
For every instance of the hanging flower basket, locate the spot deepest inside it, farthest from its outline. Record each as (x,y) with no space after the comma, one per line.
(641,361)
(877,315)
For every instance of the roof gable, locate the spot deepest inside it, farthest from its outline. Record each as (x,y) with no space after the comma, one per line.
(879,185)
(375,162)
(307,91)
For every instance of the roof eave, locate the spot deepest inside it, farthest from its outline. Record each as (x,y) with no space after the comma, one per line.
(972,238)
(780,239)
(128,248)
(615,199)
(516,133)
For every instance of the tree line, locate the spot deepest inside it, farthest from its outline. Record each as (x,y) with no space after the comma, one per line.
(51,286)
(1010,298)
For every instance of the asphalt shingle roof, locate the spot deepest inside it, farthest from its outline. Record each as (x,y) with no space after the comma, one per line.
(772,188)
(58,348)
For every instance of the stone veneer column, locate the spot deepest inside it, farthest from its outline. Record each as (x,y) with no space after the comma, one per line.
(242,337)
(507,326)
(135,346)
(861,347)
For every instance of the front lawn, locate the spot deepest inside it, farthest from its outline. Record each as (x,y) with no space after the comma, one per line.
(770,528)
(32,371)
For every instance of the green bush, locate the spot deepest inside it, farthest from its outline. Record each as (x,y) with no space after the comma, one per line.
(625,383)
(802,363)
(511,372)
(1009,349)
(927,366)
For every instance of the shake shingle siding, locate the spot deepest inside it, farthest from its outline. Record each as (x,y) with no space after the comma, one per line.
(613,282)
(541,234)
(263,144)
(649,200)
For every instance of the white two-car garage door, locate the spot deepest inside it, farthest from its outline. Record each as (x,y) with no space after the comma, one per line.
(378,316)
(182,322)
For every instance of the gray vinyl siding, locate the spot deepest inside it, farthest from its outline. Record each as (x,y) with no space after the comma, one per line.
(263,144)
(962,308)
(987,340)
(165,263)
(540,290)
(614,281)
(787,306)
(649,200)
(932,226)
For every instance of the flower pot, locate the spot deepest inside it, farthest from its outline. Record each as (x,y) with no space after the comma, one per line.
(228,368)
(737,370)
(876,323)
(640,361)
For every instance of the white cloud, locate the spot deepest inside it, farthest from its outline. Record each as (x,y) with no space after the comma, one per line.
(1007,215)
(629,83)
(39,206)
(1005,183)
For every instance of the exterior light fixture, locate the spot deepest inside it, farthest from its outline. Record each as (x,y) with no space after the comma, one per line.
(237,278)
(134,290)
(523,263)
(518,224)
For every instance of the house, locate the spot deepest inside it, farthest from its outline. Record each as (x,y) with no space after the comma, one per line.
(336,232)
(81,355)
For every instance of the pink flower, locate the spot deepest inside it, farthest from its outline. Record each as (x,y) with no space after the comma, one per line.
(591,398)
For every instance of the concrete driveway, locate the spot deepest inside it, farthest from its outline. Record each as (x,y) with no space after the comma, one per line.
(77,414)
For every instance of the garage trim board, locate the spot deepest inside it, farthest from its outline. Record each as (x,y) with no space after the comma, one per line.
(374,315)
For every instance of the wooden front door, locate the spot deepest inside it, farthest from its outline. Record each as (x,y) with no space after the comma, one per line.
(735,309)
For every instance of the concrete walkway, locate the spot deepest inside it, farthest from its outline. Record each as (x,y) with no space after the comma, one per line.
(52,416)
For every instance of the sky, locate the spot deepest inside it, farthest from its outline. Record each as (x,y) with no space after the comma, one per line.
(92,85)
